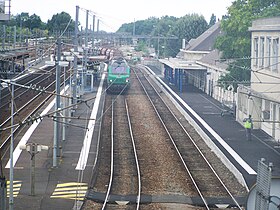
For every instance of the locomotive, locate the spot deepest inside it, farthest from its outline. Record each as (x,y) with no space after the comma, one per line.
(118,77)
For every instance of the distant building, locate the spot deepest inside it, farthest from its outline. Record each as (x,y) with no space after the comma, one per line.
(216,67)
(262,98)
(5,8)
(184,71)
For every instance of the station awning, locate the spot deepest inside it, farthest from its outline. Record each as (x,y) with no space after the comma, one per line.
(177,63)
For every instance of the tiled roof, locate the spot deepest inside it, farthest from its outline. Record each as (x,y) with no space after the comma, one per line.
(205,42)
(213,59)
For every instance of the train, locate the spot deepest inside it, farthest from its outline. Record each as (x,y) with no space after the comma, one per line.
(118,75)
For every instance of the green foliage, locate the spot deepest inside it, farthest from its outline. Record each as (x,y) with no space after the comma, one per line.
(191,26)
(236,41)
(35,22)
(237,69)
(33,25)
(187,27)
(142,27)
(25,21)
(212,20)
(141,46)
(59,22)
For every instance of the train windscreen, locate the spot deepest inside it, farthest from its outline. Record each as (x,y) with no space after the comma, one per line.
(119,68)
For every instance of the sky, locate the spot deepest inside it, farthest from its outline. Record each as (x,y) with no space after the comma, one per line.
(113,13)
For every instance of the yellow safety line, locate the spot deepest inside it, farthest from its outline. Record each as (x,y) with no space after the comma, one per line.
(70,192)
(68,196)
(71,184)
(70,188)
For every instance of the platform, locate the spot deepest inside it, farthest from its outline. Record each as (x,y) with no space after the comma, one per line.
(64,186)
(227,134)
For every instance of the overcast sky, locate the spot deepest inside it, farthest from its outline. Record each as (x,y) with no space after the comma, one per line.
(113,13)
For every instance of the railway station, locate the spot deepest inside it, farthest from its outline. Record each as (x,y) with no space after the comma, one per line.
(85,127)
(77,154)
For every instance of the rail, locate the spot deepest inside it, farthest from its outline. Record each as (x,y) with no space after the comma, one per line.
(111,179)
(193,179)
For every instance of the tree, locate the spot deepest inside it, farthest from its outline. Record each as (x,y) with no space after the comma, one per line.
(191,26)
(212,20)
(60,22)
(142,27)
(236,41)
(22,20)
(35,22)
(187,27)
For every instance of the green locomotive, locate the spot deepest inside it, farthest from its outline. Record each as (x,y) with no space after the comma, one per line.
(118,78)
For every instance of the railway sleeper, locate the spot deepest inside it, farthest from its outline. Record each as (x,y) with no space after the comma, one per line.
(213,202)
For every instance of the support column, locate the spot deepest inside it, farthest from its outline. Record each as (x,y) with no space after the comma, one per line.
(32,172)
(74,83)
(93,26)
(176,83)
(57,106)
(11,196)
(170,75)
(181,80)
(85,56)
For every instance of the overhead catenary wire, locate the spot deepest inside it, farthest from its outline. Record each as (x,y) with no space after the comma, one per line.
(251,70)
(44,54)
(51,114)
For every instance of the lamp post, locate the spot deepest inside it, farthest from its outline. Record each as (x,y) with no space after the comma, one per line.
(33,149)
(64,64)
(56,133)
(72,84)
(11,196)
(75,57)
(57,105)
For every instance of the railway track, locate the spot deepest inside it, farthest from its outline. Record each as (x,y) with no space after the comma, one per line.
(122,164)
(27,102)
(124,161)
(206,181)
(175,173)
(23,95)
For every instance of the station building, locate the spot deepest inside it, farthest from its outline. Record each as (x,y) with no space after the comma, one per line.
(199,65)
(262,98)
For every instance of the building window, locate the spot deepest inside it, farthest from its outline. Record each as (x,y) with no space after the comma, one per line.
(268,52)
(266,110)
(262,51)
(256,51)
(275,49)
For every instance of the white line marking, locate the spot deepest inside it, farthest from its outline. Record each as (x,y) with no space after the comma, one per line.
(81,165)
(29,132)
(216,136)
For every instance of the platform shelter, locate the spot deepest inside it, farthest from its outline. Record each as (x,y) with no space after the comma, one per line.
(183,74)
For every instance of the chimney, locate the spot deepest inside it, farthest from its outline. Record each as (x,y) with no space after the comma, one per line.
(183,44)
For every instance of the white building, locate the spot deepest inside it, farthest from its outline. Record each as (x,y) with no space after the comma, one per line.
(262,98)
(217,67)
(184,71)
